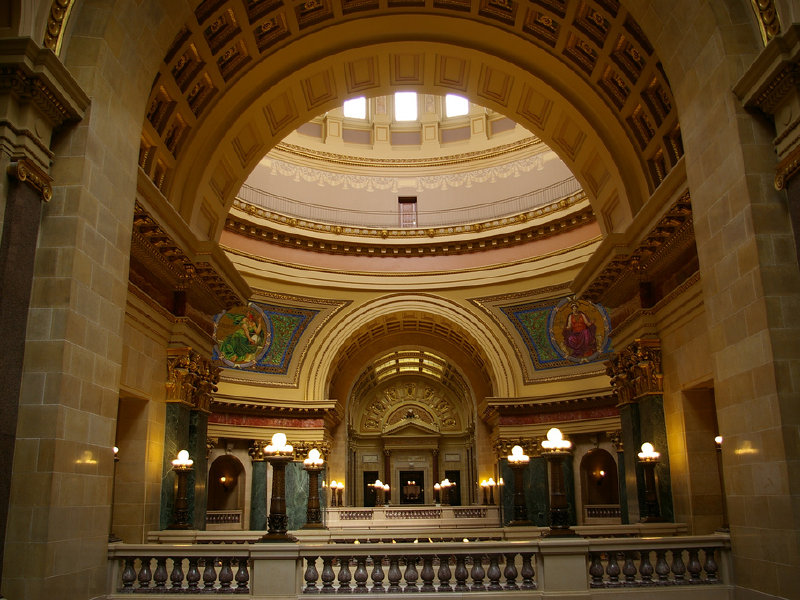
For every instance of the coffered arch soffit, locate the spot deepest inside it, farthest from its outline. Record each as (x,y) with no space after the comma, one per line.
(424,320)
(612,120)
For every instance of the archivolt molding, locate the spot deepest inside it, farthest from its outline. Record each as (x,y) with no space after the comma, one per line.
(463,323)
(594,52)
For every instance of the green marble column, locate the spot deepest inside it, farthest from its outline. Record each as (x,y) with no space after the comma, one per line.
(654,430)
(535,486)
(258,496)
(198,478)
(296,495)
(629,470)
(176,438)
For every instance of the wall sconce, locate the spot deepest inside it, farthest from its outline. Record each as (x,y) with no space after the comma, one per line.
(278,454)
(182,466)
(600,476)
(226,482)
(313,465)
(556,450)
(648,458)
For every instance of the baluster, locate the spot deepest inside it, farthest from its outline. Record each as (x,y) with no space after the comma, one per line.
(645,568)
(377,575)
(160,574)
(427,574)
(193,575)
(144,573)
(613,570)
(662,568)
(209,575)
(461,573)
(327,575)
(477,573)
(394,575)
(629,568)
(311,575)
(176,576)
(242,576)
(360,575)
(710,566)
(128,574)
(411,574)
(510,572)
(344,576)
(527,572)
(694,567)
(493,574)
(678,568)
(225,576)
(444,574)
(596,571)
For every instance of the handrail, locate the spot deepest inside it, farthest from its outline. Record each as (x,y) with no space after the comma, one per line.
(698,565)
(318,213)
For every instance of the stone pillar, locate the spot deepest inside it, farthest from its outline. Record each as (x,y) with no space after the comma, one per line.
(37,96)
(636,378)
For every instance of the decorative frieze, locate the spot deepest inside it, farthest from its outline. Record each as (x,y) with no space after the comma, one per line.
(191,379)
(636,371)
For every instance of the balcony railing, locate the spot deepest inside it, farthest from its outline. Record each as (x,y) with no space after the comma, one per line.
(691,567)
(350,216)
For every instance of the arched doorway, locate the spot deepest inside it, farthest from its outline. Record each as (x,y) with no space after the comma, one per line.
(411,424)
(599,488)
(226,493)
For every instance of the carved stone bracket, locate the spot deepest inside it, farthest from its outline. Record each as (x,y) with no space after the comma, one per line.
(636,371)
(26,171)
(191,379)
(616,440)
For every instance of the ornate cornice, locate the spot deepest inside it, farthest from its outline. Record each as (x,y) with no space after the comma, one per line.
(191,379)
(26,171)
(420,242)
(149,239)
(674,231)
(635,371)
(787,168)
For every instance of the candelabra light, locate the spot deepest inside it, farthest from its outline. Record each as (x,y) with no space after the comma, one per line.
(556,450)
(648,458)
(313,465)
(182,466)
(518,461)
(278,454)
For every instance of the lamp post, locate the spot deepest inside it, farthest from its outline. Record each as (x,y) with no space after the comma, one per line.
(518,460)
(112,537)
(386,494)
(332,488)
(313,465)
(725,525)
(278,454)
(340,493)
(485,488)
(444,488)
(556,449)
(648,458)
(182,467)
(378,485)
(437,493)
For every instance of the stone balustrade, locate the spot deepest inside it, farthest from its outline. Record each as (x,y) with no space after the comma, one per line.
(693,567)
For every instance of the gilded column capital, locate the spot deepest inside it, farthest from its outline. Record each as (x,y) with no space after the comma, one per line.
(26,171)
(191,379)
(616,440)
(502,448)
(635,371)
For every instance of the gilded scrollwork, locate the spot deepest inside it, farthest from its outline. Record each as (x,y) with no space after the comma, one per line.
(409,400)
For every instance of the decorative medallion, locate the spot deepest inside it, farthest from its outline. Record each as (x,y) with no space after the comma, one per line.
(243,335)
(578,330)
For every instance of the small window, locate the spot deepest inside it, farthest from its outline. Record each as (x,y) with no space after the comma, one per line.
(407,206)
(405,106)
(455,106)
(356,108)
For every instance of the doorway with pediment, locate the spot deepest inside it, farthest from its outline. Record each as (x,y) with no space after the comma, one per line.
(410,429)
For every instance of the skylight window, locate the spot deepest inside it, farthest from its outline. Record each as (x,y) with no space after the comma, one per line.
(356,108)
(405,106)
(455,106)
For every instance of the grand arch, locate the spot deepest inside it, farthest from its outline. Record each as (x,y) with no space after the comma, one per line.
(704,48)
